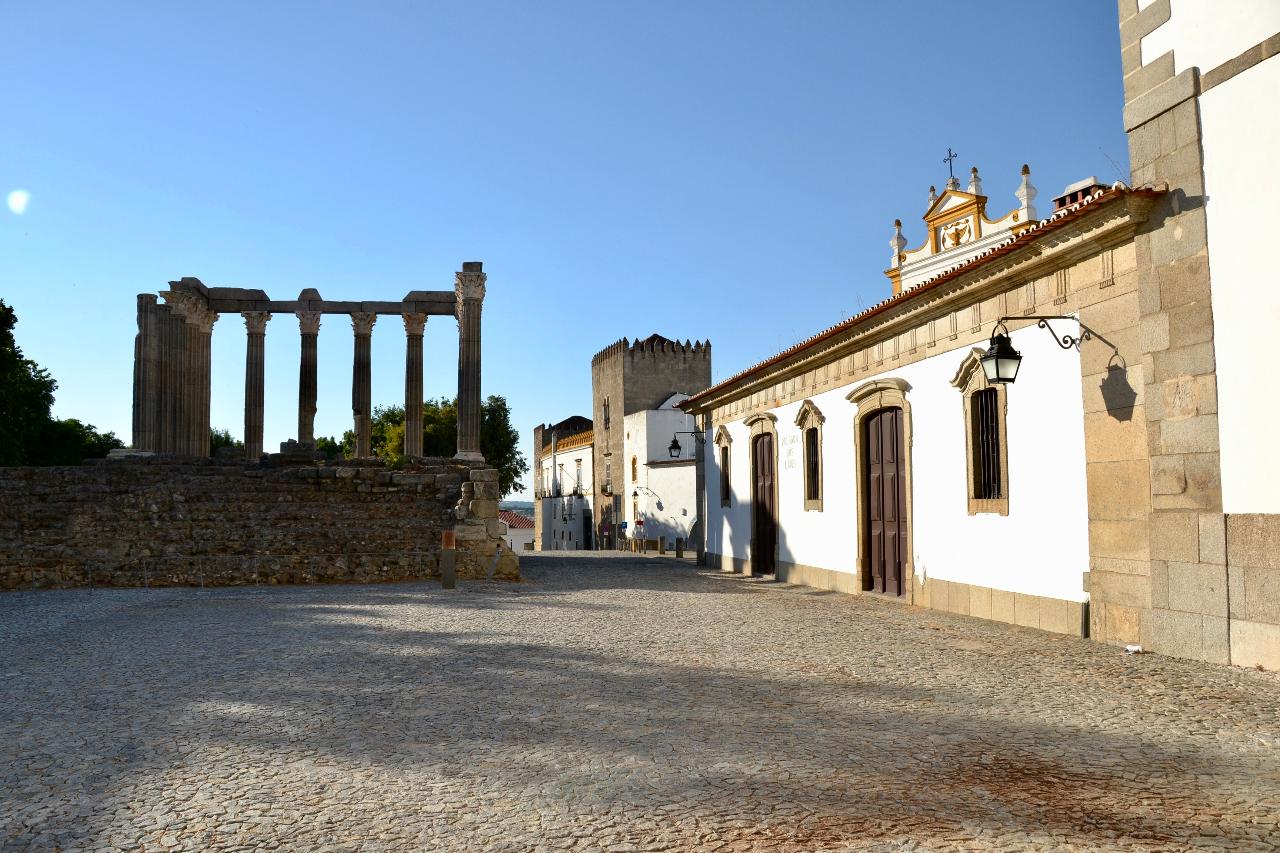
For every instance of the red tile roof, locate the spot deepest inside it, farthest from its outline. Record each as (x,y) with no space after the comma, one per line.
(1026,236)
(515,520)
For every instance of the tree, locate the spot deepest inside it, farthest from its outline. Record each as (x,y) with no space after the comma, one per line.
(220,438)
(331,448)
(29,435)
(26,395)
(70,442)
(500,444)
(499,440)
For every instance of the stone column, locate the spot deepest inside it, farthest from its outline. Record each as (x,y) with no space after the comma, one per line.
(175,355)
(201,386)
(361,383)
(255,322)
(144,375)
(414,326)
(469,287)
(309,326)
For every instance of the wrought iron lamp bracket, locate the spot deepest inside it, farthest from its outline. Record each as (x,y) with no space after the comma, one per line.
(1065,341)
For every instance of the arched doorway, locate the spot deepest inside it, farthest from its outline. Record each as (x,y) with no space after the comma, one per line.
(764,513)
(884,502)
(882,434)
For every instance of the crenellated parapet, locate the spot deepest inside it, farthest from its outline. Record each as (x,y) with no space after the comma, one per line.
(653,346)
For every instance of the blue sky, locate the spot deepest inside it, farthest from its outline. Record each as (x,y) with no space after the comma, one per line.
(722,170)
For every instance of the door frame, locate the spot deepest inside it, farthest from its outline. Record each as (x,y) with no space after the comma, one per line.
(759,424)
(869,398)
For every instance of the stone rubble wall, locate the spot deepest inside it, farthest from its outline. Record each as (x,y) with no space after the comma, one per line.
(152,520)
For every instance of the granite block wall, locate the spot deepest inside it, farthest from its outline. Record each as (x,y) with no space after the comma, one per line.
(149,520)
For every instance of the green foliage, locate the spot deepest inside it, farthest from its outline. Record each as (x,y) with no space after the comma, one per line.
(330,447)
(220,438)
(70,442)
(500,444)
(26,395)
(499,440)
(29,435)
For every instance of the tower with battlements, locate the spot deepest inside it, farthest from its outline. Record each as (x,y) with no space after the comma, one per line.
(628,377)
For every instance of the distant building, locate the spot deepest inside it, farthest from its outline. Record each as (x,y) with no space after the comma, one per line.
(563,494)
(519,530)
(628,377)
(660,488)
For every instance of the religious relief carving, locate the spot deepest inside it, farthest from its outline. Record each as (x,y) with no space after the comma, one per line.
(414,324)
(308,322)
(362,322)
(256,321)
(956,233)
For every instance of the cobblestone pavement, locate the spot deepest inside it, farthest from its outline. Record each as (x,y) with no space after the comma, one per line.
(607,703)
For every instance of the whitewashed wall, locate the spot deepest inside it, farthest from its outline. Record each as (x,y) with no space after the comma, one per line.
(1207,33)
(557,534)
(668,493)
(518,537)
(1040,548)
(1240,121)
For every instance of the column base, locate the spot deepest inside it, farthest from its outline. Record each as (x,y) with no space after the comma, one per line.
(469,456)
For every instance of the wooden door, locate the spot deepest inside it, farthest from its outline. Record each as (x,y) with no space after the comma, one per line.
(886,501)
(763,510)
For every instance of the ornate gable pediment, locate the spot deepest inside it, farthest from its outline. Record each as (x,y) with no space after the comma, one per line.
(965,373)
(723,439)
(951,201)
(809,414)
(955,219)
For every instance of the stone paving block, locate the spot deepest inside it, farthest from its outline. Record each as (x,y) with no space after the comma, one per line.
(611,702)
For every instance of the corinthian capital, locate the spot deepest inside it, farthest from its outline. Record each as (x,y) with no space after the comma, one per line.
(309,322)
(256,321)
(203,318)
(414,324)
(469,283)
(362,322)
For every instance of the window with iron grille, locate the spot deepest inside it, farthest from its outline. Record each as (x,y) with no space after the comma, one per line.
(812,472)
(724,475)
(986,445)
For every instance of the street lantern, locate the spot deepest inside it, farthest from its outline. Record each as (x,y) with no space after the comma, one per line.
(1001,361)
(674,448)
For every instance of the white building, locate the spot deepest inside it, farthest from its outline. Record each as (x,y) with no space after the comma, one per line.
(564,509)
(517,530)
(877,457)
(660,485)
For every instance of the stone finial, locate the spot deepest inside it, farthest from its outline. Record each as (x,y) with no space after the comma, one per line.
(1026,195)
(897,243)
(414,324)
(953,183)
(975,182)
(362,322)
(308,322)
(256,321)
(933,195)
